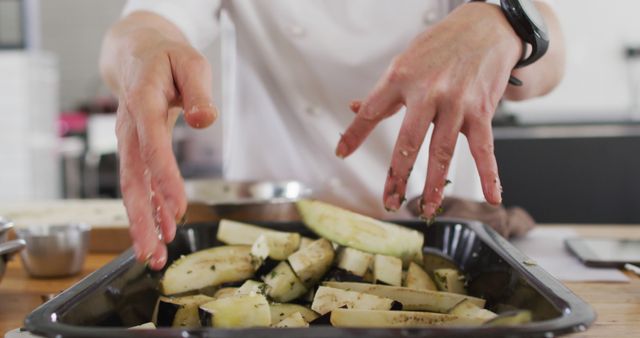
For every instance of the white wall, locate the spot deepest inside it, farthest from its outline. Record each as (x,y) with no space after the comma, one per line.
(595,87)
(73,30)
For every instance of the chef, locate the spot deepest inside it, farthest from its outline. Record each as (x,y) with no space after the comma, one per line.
(348,96)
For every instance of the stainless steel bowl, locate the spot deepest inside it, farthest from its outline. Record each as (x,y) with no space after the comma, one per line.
(54,250)
(5,226)
(248,201)
(7,249)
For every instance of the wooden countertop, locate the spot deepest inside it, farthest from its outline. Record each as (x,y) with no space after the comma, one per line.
(617,304)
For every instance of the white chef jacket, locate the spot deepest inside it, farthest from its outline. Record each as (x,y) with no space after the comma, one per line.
(290,69)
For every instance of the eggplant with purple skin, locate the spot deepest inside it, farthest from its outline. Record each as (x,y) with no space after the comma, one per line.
(179,311)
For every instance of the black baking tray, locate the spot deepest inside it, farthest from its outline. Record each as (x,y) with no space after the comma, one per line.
(123,293)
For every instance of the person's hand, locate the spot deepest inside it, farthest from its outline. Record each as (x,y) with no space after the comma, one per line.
(155,76)
(453,76)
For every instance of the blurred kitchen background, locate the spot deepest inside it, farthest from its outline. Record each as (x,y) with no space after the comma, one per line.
(573,156)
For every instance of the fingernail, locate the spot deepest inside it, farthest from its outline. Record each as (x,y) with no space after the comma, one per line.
(203,120)
(182,221)
(430,209)
(171,207)
(158,262)
(497,190)
(392,203)
(342,149)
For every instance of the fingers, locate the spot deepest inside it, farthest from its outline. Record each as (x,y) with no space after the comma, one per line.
(480,138)
(135,190)
(162,217)
(410,138)
(382,103)
(149,108)
(160,258)
(441,148)
(192,76)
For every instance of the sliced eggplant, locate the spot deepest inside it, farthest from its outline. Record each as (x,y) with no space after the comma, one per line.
(361,232)
(307,298)
(411,299)
(339,275)
(239,233)
(251,287)
(449,280)
(280,311)
(282,284)
(387,270)
(511,318)
(368,276)
(144,326)
(328,299)
(354,261)
(208,267)
(277,246)
(467,308)
(434,259)
(225,292)
(313,261)
(377,319)
(236,312)
(323,320)
(293,320)
(305,241)
(417,278)
(180,311)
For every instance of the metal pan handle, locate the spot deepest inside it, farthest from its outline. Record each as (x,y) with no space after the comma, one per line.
(12,247)
(5,225)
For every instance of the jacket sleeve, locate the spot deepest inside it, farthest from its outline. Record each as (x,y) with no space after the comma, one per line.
(197,19)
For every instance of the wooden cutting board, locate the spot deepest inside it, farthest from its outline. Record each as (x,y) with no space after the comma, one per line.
(107,218)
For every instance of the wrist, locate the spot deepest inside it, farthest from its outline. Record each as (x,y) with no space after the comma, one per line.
(505,37)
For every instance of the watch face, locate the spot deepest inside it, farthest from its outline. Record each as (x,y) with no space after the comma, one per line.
(534,15)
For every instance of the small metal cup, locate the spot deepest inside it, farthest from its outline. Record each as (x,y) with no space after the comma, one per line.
(54,250)
(8,249)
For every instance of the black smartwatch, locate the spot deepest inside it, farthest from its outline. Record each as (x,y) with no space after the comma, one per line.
(529,24)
